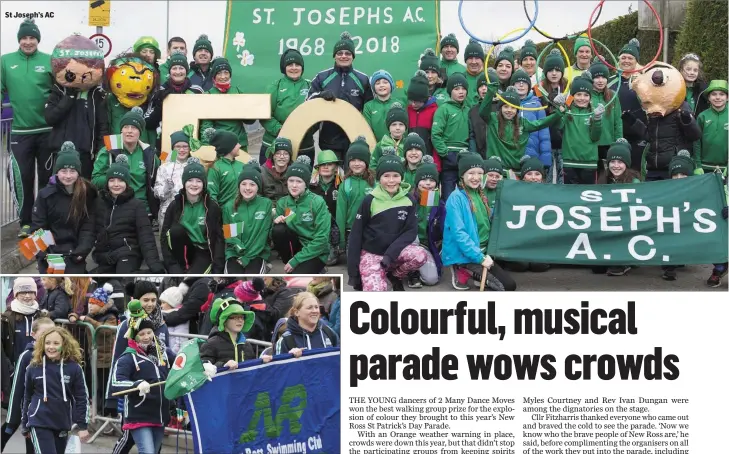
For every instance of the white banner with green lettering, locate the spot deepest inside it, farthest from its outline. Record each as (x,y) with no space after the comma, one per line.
(387,35)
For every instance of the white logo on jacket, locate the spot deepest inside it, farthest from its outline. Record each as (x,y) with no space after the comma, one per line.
(354,92)
(40,69)
(402,215)
(259,215)
(307,217)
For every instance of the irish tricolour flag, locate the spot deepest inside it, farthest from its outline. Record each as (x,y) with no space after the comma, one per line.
(113,142)
(429,198)
(232,230)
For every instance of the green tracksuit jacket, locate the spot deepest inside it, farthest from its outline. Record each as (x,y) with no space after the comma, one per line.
(223,180)
(450,127)
(286,96)
(452,66)
(117,111)
(312,225)
(137,171)
(711,150)
(253,242)
(375,112)
(612,123)
(28,80)
(386,141)
(351,192)
(237,127)
(580,136)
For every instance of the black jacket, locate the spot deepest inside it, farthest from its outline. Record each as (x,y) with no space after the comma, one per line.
(701,102)
(329,196)
(150,164)
(57,303)
(122,228)
(84,122)
(196,297)
(153,114)
(50,212)
(348,85)
(213,232)
(629,102)
(219,348)
(199,78)
(477,132)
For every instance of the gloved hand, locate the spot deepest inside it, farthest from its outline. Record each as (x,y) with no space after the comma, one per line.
(599,112)
(169,186)
(71,92)
(685,116)
(143,387)
(488,262)
(327,95)
(385,262)
(628,117)
(560,99)
(210,370)
(724,212)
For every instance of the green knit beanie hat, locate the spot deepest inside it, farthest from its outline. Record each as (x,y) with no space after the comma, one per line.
(179,59)
(413,140)
(581,41)
(300,168)
(529,163)
(220,64)
(619,151)
(507,53)
(529,50)
(203,43)
(135,117)
(148,42)
(223,141)
(177,137)
(456,80)
(281,143)
(429,61)
(345,43)
(291,56)
(468,160)
(473,49)
(67,158)
(599,69)
(389,162)
(682,163)
(493,164)
(521,76)
(582,83)
(396,113)
(449,40)
(29,28)
(359,149)
(481,81)
(119,169)
(427,169)
(418,89)
(194,169)
(510,95)
(326,157)
(632,48)
(554,60)
(251,171)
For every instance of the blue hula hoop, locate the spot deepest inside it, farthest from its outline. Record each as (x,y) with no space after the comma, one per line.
(494,43)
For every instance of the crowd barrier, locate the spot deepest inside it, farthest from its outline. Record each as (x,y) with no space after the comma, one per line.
(8,212)
(91,339)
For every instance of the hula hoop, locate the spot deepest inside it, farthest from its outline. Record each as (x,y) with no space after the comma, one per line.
(494,43)
(566,37)
(631,71)
(501,98)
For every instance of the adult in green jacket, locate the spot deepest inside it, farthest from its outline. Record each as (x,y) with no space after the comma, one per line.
(247,222)
(287,93)
(223,174)
(176,45)
(302,224)
(449,55)
(710,153)
(474,58)
(26,78)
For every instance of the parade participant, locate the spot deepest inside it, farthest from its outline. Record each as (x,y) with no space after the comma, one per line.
(325,182)
(57,301)
(494,172)
(474,57)
(375,111)
(27,80)
(225,344)
(148,48)
(449,55)
(76,107)
(358,182)
(381,242)
(287,93)
(528,61)
(504,66)
(450,131)
(143,160)
(200,70)
(552,85)
(690,67)
(122,229)
(612,123)
(64,207)
(681,166)
(280,157)
(223,174)
(53,403)
(397,125)
(710,151)
(430,65)
(343,82)
(583,57)
(476,126)
(19,317)
(248,251)
(302,223)
(192,235)
(169,176)
(539,143)
(305,330)
(467,229)
(170,300)
(414,152)
(421,110)
(175,45)
(430,225)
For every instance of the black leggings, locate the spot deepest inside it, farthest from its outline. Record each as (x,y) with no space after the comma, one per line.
(125,265)
(191,257)
(287,244)
(255,266)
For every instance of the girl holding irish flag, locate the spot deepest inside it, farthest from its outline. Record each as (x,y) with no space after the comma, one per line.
(247,222)
(169,176)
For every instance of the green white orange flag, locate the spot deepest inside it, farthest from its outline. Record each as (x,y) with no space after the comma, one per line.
(429,198)
(113,142)
(232,230)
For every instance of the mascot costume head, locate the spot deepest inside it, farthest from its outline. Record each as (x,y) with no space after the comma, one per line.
(661,89)
(131,79)
(78,63)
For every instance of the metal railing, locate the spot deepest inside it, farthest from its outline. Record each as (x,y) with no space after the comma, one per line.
(92,341)
(8,210)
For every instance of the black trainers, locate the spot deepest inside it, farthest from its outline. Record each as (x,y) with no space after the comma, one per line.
(24,231)
(414,280)
(716,276)
(397,285)
(669,274)
(618,270)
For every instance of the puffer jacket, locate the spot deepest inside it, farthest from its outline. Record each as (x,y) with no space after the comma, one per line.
(297,337)
(219,349)
(539,144)
(57,303)
(169,171)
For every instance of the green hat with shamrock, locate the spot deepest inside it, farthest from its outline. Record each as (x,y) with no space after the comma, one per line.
(148,42)
(223,309)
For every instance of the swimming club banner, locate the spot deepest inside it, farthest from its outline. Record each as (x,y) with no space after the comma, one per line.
(290,405)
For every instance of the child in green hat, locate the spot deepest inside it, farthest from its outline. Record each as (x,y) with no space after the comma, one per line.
(376,111)
(225,344)
(325,181)
(397,126)
(450,130)
(280,157)
(711,150)
(223,174)
(414,147)
(612,123)
(358,182)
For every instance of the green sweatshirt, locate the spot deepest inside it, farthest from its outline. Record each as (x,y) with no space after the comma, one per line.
(223,180)
(286,95)
(409,175)
(612,123)
(253,242)
(386,141)
(450,127)
(312,225)
(452,66)
(351,193)
(27,80)
(193,220)
(375,112)
(237,127)
(164,71)
(137,171)
(504,147)
(483,222)
(579,139)
(116,112)
(711,150)
(472,97)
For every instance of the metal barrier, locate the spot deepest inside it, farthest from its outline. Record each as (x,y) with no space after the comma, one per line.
(8,211)
(93,341)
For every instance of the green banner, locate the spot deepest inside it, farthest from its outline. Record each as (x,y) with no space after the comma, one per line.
(671,222)
(387,35)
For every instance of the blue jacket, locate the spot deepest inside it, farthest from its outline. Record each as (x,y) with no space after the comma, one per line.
(131,368)
(460,238)
(539,144)
(18,391)
(55,396)
(321,337)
